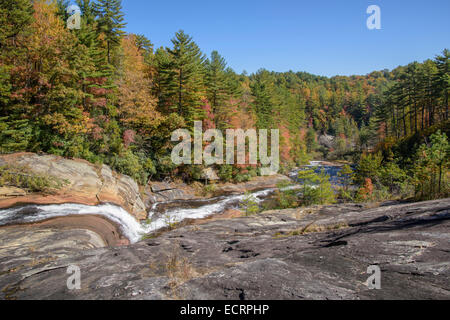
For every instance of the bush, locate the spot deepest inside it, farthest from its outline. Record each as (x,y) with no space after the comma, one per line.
(346,195)
(369,167)
(317,188)
(240,177)
(394,178)
(226,173)
(285,198)
(346,177)
(249,205)
(22,177)
(137,166)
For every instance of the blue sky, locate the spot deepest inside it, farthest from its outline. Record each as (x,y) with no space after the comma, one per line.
(326,37)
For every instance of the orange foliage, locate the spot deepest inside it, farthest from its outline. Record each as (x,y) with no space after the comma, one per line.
(137,106)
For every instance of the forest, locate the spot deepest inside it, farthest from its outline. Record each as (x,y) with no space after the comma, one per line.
(109,97)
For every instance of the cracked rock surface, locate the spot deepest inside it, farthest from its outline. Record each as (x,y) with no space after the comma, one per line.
(307,253)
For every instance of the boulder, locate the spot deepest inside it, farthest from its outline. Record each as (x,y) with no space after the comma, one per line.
(86,183)
(156,192)
(210,174)
(256,183)
(326,141)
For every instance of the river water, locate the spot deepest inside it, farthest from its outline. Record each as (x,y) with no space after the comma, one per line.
(159,216)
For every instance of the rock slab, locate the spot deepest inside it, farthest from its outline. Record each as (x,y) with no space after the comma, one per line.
(305,253)
(87,183)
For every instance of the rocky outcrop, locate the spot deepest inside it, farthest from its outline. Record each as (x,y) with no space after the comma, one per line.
(210,174)
(327,141)
(257,183)
(167,191)
(307,253)
(86,183)
(171,191)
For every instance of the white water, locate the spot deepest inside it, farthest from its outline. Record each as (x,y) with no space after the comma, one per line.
(130,227)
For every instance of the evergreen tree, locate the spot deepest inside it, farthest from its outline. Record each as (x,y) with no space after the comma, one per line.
(186,76)
(110,23)
(165,86)
(15,22)
(216,83)
(262,101)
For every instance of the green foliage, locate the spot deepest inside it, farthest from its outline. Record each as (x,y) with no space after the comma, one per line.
(129,163)
(394,179)
(431,169)
(226,173)
(285,197)
(316,189)
(78,94)
(15,135)
(346,176)
(110,23)
(249,205)
(242,177)
(369,167)
(387,179)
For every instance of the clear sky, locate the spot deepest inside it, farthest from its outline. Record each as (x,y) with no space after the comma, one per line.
(327,37)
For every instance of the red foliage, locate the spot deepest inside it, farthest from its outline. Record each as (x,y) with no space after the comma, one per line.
(366,191)
(208,122)
(128,137)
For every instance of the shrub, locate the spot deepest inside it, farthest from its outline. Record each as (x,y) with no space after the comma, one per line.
(249,205)
(226,173)
(242,177)
(346,176)
(369,168)
(317,188)
(22,177)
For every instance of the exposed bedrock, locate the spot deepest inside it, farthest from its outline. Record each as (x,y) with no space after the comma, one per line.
(306,253)
(87,183)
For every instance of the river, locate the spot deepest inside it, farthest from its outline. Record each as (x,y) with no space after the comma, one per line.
(160,215)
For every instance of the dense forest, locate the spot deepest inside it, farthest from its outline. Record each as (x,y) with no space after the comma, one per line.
(109,97)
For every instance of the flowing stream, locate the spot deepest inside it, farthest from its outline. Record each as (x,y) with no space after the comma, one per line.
(160,215)
(130,227)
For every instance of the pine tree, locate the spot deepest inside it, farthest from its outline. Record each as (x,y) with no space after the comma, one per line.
(97,84)
(216,86)
(15,22)
(262,101)
(15,16)
(165,86)
(143,43)
(110,23)
(187,75)
(442,82)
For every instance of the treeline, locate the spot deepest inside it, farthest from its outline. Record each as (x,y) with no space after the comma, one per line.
(417,97)
(109,97)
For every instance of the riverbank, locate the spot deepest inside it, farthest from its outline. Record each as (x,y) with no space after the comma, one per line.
(87,199)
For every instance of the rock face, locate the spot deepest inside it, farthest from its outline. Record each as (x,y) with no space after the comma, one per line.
(165,191)
(308,253)
(210,174)
(326,141)
(254,184)
(87,184)
(170,191)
